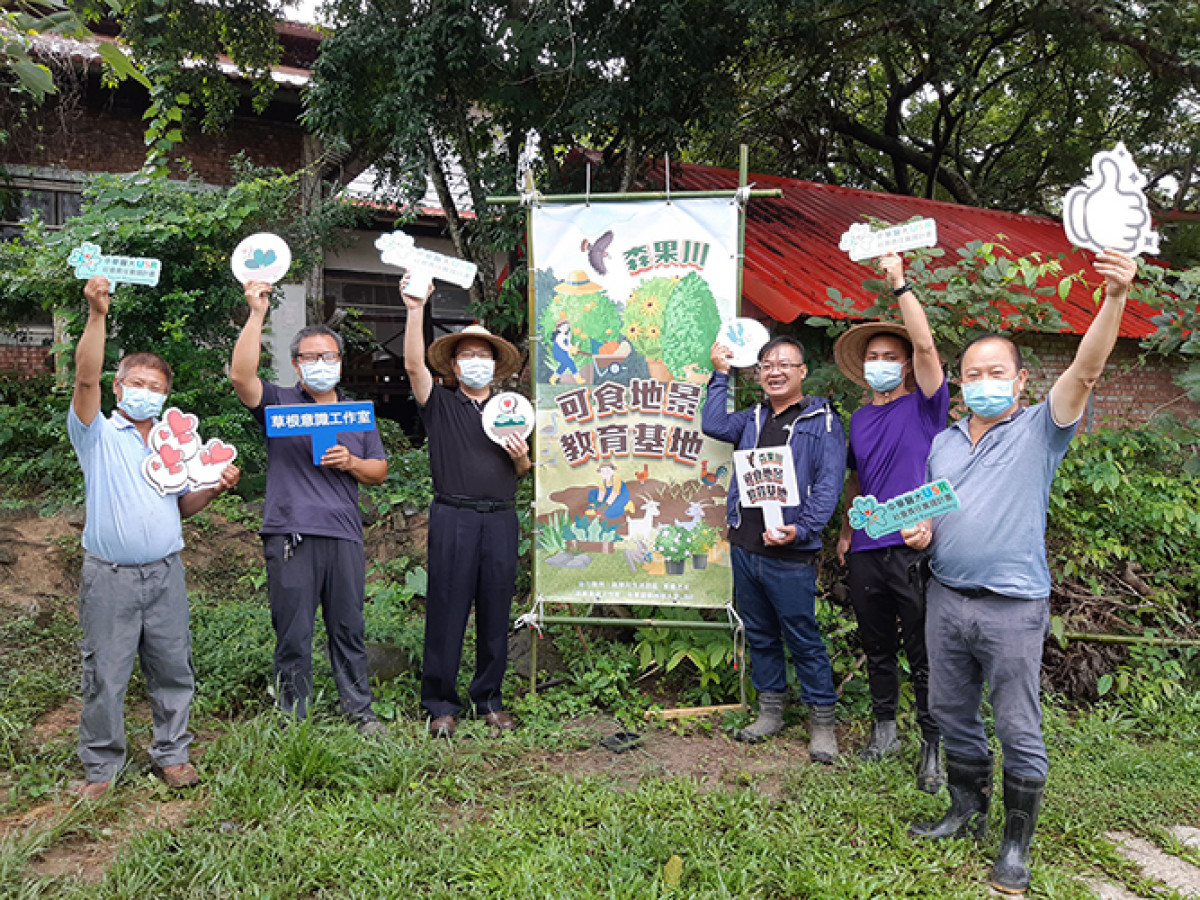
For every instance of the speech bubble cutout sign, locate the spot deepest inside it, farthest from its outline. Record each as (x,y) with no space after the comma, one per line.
(323,422)
(860,242)
(180,460)
(766,478)
(261,257)
(400,250)
(89,262)
(903,511)
(1109,210)
(507,414)
(745,337)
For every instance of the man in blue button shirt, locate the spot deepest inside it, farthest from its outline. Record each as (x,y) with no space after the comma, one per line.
(132,597)
(988,603)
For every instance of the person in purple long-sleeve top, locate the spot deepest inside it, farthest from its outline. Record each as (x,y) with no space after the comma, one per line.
(889,443)
(775,574)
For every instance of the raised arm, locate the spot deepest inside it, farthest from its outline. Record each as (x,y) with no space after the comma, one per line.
(414,343)
(927,367)
(89,352)
(243,368)
(1069,396)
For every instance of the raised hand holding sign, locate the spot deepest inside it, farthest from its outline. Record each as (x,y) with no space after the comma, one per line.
(261,257)
(1109,210)
(860,242)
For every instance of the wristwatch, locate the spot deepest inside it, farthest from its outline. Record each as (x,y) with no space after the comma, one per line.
(903,289)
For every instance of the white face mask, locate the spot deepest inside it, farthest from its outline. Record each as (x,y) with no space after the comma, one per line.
(321,376)
(882,375)
(476,373)
(140,404)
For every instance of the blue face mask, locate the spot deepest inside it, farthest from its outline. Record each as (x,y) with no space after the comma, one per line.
(988,397)
(321,376)
(476,373)
(882,375)
(140,404)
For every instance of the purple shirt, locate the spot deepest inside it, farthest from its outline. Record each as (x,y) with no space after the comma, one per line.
(889,445)
(303,498)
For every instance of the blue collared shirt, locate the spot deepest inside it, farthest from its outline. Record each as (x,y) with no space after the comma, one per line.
(997,540)
(127,521)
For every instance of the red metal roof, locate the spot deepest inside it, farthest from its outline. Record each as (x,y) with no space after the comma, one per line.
(792,253)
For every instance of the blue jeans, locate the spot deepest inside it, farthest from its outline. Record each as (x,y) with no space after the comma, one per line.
(776,599)
(995,640)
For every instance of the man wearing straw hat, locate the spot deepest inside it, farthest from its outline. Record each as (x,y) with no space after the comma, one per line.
(473,519)
(889,443)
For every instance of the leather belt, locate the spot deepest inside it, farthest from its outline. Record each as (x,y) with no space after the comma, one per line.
(471,503)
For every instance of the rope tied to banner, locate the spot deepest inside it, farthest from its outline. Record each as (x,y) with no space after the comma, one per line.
(738,627)
(742,195)
(535,618)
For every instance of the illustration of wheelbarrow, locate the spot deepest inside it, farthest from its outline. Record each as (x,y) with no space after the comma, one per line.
(610,357)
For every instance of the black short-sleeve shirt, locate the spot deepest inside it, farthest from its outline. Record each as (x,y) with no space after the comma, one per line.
(464,461)
(303,498)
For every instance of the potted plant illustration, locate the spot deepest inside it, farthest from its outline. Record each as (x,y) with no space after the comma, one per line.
(704,538)
(644,313)
(692,321)
(674,543)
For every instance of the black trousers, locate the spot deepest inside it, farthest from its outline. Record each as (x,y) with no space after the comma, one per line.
(890,605)
(472,563)
(301,575)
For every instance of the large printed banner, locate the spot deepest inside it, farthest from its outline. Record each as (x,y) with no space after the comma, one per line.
(630,494)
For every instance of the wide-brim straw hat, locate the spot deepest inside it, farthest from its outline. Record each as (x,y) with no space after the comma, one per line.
(441,352)
(851,347)
(577,282)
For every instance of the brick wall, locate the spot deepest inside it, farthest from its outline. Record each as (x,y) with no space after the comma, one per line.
(22,360)
(1130,390)
(111,140)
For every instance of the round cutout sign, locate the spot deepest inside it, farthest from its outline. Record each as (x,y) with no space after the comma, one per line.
(507,414)
(261,257)
(745,337)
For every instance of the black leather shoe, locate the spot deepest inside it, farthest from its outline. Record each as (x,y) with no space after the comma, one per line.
(500,720)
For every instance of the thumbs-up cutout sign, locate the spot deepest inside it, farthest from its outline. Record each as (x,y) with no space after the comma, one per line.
(1109,209)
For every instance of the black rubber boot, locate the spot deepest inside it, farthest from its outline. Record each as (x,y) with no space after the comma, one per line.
(1022,801)
(883,741)
(930,775)
(970,783)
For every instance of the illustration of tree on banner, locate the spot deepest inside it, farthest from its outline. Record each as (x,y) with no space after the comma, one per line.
(644,314)
(692,320)
(583,312)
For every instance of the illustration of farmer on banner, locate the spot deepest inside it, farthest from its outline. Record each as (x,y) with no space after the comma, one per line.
(775,524)
(611,498)
(988,609)
(133,600)
(473,520)
(319,450)
(889,443)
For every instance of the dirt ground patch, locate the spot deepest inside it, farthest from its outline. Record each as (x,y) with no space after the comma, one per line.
(713,760)
(40,570)
(86,858)
(58,722)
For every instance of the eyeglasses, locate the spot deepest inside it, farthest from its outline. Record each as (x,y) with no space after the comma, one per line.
(768,367)
(331,356)
(477,354)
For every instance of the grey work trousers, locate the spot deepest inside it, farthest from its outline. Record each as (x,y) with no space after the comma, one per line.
(129,611)
(994,639)
(303,573)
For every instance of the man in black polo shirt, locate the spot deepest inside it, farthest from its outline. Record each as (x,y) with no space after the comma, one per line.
(473,520)
(312,530)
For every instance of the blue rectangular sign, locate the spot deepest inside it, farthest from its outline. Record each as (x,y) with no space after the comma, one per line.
(323,422)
